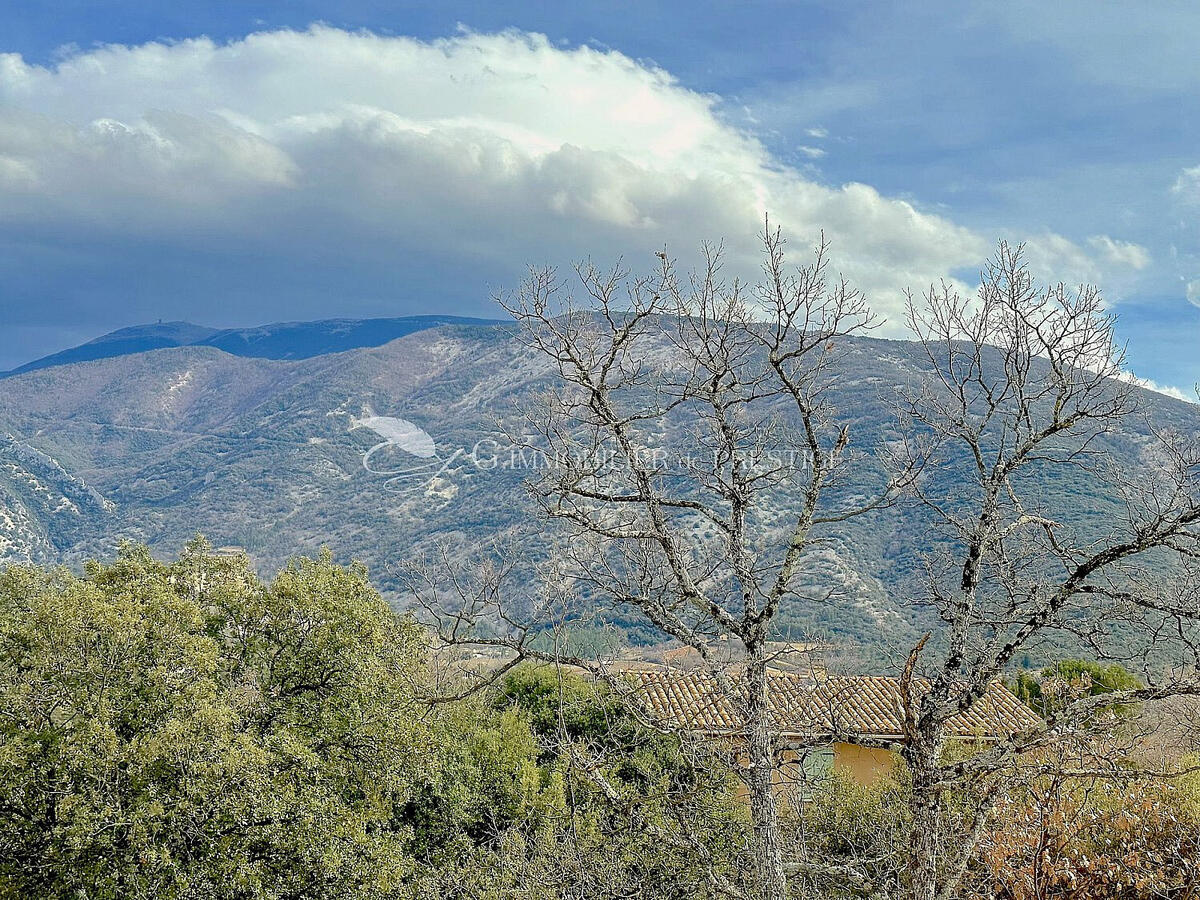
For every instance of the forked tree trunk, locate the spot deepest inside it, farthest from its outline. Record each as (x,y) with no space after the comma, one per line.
(772,880)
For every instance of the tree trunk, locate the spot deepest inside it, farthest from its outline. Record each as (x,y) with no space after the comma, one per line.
(772,881)
(925,839)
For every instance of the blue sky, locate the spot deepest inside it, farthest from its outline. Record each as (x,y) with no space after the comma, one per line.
(405,158)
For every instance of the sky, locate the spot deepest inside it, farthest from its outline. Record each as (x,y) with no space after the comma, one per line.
(237,163)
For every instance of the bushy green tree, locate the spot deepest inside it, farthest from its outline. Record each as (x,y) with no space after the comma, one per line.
(183,730)
(1070,679)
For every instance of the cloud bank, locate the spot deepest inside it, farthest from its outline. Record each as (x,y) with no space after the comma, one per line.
(292,167)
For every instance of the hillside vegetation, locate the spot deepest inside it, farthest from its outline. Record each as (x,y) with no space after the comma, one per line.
(177,730)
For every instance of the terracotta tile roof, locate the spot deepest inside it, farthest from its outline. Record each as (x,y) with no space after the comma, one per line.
(865,705)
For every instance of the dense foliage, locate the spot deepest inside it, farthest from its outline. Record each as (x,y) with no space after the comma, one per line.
(1049,690)
(1069,678)
(182,730)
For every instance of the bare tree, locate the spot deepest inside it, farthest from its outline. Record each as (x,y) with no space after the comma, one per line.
(669,444)
(1027,386)
(684,409)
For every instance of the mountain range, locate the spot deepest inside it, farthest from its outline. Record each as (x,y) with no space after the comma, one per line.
(281,340)
(286,439)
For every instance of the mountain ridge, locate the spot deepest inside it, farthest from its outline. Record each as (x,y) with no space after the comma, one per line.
(277,340)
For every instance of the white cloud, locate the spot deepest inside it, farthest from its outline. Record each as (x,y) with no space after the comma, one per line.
(1052,257)
(1187,185)
(1120,253)
(812,152)
(1164,389)
(1193,292)
(499,148)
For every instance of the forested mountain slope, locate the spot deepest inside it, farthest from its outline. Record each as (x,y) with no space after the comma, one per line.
(269,455)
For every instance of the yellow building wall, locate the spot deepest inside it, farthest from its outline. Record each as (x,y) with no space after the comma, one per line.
(864,764)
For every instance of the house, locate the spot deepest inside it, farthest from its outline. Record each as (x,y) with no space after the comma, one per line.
(847,715)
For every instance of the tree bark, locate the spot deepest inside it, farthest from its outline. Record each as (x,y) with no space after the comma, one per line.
(925,805)
(761,760)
